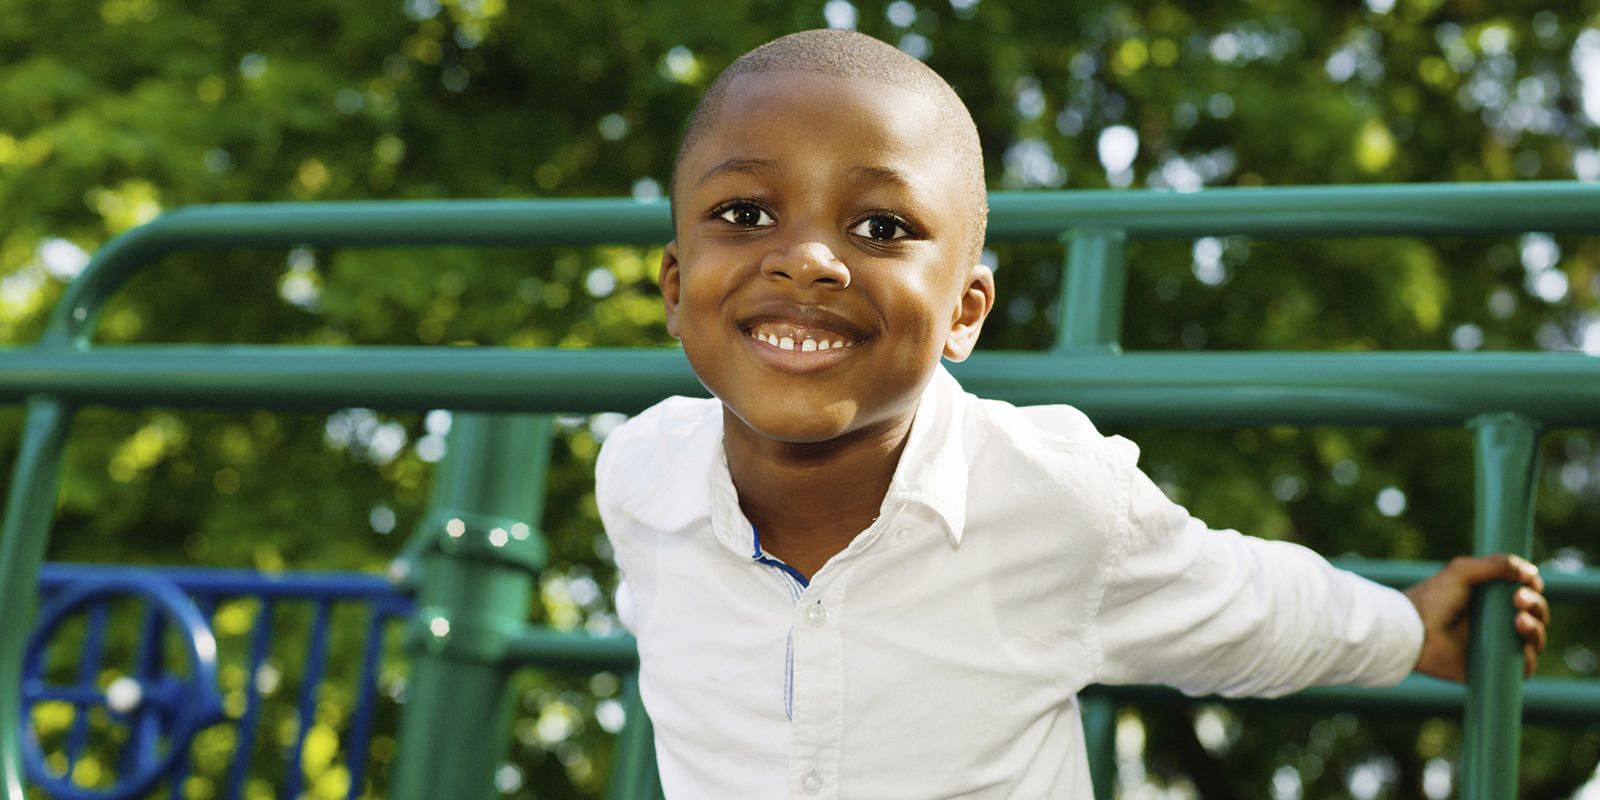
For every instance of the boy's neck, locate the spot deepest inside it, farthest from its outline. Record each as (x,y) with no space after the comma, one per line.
(809,501)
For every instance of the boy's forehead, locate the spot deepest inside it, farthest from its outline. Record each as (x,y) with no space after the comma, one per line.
(797,88)
(771,109)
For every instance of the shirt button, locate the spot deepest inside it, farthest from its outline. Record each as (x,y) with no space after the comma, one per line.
(812,783)
(818,615)
(900,535)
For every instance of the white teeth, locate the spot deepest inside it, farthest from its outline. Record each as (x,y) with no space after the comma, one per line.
(805,345)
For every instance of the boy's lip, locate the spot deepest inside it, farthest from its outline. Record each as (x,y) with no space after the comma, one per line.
(784,317)
(800,339)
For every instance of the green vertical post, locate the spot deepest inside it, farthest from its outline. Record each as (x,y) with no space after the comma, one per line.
(1506,450)
(474,599)
(30,508)
(1089,312)
(1089,317)
(1100,739)
(633,767)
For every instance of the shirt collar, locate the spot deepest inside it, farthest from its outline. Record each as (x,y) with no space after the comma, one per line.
(685,465)
(932,472)
(933,469)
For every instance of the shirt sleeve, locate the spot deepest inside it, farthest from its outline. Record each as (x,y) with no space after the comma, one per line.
(1216,612)
(606,499)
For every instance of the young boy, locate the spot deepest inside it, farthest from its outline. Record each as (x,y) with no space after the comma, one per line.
(847,577)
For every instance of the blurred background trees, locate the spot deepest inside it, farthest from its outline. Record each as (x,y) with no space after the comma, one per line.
(111,111)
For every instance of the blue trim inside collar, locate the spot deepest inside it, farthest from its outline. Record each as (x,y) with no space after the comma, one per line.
(762,558)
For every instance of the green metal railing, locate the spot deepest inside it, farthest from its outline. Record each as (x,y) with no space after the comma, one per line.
(475,567)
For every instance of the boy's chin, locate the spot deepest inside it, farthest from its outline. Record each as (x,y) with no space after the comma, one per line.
(795,426)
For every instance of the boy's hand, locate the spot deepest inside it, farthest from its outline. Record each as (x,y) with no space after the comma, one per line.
(1442,602)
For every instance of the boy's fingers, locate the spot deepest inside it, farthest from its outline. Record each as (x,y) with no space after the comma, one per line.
(1496,566)
(1530,661)
(1532,631)
(1534,603)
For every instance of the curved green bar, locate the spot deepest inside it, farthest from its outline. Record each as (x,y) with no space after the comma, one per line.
(30,506)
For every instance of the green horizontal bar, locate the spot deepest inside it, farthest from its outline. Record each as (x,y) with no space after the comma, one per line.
(1560,700)
(1561,586)
(572,651)
(1280,212)
(1301,212)
(1548,700)
(1228,389)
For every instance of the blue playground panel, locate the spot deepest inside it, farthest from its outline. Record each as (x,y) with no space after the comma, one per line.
(165,702)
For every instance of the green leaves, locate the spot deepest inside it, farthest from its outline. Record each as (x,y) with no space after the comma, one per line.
(114,110)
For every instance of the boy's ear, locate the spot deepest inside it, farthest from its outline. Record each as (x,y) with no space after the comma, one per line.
(976,301)
(670,290)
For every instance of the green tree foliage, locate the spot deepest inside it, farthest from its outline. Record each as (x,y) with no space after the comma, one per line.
(114,110)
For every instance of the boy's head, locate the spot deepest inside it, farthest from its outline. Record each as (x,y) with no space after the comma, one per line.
(828,204)
(847,54)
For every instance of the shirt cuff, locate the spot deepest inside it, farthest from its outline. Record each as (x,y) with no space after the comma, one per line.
(1403,637)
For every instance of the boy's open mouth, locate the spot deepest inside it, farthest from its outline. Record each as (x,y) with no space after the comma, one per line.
(801,328)
(789,336)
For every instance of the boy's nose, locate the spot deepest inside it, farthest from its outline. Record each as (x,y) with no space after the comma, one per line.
(807,264)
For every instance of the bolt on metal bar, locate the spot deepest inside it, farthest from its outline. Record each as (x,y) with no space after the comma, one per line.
(1506,449)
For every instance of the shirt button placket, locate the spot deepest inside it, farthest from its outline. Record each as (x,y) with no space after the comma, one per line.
(819,691)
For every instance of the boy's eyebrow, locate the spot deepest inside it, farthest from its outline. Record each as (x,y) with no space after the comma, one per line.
(759,167)
(887,175)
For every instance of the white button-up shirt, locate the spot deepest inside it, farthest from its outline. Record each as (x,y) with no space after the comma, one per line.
(1018,556)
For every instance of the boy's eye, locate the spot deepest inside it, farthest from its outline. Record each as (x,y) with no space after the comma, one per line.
(880,228)
(746,215)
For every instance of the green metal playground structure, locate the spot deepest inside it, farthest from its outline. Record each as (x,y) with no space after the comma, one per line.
(475,567)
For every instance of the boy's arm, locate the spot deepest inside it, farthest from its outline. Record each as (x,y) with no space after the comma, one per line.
(1217,612)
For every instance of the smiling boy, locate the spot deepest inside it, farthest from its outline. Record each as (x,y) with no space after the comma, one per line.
(847,577)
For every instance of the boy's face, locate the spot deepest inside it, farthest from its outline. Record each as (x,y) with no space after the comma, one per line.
(822,260)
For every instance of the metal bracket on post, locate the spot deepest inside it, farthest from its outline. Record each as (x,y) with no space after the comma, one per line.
(478,555)
(1506,450)
(1089,309)
(480,638)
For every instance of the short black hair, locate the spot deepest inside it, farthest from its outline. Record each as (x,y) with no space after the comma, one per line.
(848,54)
